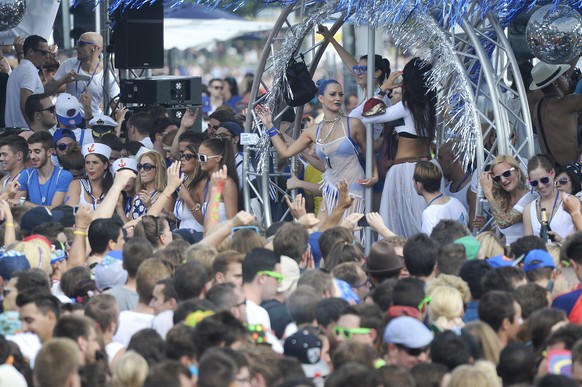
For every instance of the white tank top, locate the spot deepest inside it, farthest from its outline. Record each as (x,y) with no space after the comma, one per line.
(561,222)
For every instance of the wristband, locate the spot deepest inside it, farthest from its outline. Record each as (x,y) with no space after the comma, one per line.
(8,224)
(81,233)
(382,93)
(273,132)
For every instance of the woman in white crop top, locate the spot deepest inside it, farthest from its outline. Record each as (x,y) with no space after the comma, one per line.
(401,208)
(541,177)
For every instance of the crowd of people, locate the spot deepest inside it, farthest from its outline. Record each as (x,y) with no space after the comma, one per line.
(128,259)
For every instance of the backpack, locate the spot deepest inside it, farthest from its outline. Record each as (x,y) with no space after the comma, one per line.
(299,88)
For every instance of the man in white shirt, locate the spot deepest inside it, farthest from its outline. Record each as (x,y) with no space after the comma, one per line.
(427,182)
(164,302)
(25,81)
(85,72)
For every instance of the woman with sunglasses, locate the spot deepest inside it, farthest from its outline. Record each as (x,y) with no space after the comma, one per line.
(151,180)
(92,189)
(213,154)
(338,140)
(505,189)
(186,210)
(568,179)
(541,178)
(401,207)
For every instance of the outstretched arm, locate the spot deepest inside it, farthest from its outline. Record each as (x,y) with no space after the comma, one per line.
(346,57)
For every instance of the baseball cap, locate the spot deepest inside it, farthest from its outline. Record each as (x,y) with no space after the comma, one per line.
(306,347)
(499,261)
(234,128)
(37,216)
(537,259)
(11,262)
(109,273)
(61,133)
(290,271)
(471,244)
(408,332)
(68,109)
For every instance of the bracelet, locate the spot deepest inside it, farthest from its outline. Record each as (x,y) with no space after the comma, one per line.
(79,228)
(272,132)
(196,208)
(82,233)
(9,224)
(166,195)
(382,93)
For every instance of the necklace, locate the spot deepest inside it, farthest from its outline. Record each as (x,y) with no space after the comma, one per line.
(333,123)
(539,204)
(435,198)
(47,185)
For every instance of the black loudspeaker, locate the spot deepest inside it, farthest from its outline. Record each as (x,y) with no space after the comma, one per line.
(138,37)
(166,90)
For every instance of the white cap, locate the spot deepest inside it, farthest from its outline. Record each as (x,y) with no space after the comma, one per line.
(124,163)
(102,120)
(96,148)
(68,109)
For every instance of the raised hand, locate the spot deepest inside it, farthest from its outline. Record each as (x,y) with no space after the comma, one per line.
(265,115)
(123,177)
(324,32)
(189,118)
(486,179)
(297,207)
(242,218)
(219,177)
(351,221)
(83,217)
(174,179)
(344,199)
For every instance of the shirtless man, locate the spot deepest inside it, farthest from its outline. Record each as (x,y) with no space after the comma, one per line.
(555,115)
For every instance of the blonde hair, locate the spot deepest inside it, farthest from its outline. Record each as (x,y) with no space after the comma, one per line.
(490,244)
(453,281)
(204,255)
(131,370)
(554,251)
(161,179)
(446,307)
(501,195)
(487,339)
(478,375)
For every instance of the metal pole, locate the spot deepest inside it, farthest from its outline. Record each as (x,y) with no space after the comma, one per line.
(103,28)
(66,7)
(371,85)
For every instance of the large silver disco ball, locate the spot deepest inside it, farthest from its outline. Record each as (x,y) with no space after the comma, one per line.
(554,34)
(11,13)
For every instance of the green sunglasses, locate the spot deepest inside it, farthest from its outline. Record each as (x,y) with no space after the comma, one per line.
(272,274)
(348,333)
(425,301)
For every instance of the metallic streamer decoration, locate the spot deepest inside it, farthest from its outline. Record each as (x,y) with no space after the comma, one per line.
(554,34)
(11,13)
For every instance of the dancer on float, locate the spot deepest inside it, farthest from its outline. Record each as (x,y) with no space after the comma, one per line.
(186,210)
(151,180)
(401,208)
(337,140)
(385,142)
(541,178)
(505,189)
(92,189)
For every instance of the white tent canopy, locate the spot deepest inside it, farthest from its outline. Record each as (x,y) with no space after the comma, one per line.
(195,33)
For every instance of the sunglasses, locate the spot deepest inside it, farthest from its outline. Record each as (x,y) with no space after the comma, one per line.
(543,180)
(63,147)
(81,43)
(414,352)
(504,174)
(202,158)
(272,274)
(187,156)
(43,52)
(50,109)
(359,70)
(425,301)
(146,167)
(562,181)
(235,229)
(348,333)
